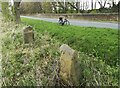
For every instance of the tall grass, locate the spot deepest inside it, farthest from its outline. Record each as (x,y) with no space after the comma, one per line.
(37,65)
(28,65)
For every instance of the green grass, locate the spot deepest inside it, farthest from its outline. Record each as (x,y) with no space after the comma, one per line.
(100,42)
(36,65)
(24,65)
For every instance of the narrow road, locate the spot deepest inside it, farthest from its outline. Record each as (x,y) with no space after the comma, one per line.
(80,22)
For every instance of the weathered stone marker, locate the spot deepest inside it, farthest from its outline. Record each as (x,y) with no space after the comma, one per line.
(28,35)
(69,66)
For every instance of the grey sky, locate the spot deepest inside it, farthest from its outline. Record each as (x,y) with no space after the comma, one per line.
(82,1)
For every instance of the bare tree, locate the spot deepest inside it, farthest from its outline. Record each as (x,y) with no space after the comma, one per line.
(86,5)
(63,5)
(95,5)
(78,6)
(92,4)
(75,5)
(102,3)
(54,5)
(113,2)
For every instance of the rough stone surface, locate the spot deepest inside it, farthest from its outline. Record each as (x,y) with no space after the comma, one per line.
(69,65)
(28,35)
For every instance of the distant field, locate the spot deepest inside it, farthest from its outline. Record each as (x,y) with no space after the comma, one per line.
(100,42)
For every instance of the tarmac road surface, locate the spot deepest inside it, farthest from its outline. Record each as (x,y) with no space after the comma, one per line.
(80,22)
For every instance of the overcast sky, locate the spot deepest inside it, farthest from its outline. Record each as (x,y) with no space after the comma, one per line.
(97,4)
(89,2)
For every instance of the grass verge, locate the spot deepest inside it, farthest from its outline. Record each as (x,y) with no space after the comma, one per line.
(36,65)
(28,65)
(99,42)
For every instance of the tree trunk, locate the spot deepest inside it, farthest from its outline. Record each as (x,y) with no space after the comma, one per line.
(17,12)
(78,7)
(95,5)
(91,4)
(113,3)
(16,15)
